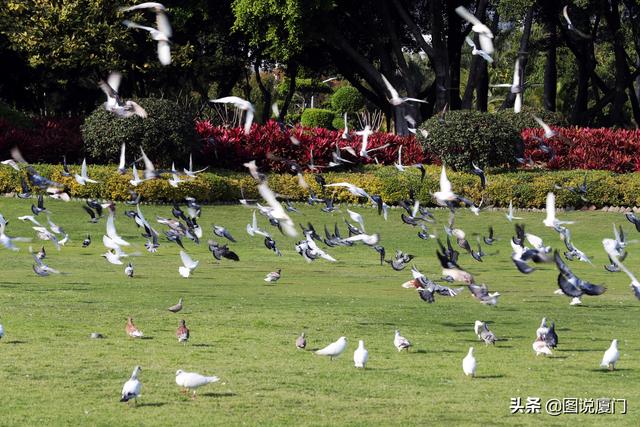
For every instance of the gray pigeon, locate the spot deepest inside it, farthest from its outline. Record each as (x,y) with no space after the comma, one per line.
(483,332)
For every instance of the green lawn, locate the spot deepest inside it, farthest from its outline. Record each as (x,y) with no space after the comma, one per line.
(244,330)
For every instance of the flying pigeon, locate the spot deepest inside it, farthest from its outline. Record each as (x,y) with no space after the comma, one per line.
(188,264)
(190,381)
(509,214)
(115,104)
(242,105)
(334,349)
(483,332)
(484,33)
(83,178)
(162,34)
(131,389)
(475,51)
(395,97)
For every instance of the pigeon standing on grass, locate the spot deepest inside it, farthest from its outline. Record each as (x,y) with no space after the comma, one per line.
(469,364)
(360,356)
(401,342)
(182,333)
(131,389)
(301,341)
(176,308)
(334,349)
(190,381)
(611,356)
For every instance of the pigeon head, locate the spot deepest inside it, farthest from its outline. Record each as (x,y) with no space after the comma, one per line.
(614,343)
(179,371)
(471,350)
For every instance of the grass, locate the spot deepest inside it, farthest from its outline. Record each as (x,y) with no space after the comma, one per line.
(243,330)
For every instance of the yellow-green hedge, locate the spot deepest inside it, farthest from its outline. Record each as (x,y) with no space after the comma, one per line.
(527,189)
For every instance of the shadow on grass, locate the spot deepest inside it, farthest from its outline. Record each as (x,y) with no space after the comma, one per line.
(223,394)
(153,405)
(580,350)
(607,371)
(17,342)
(489,377)
(201,345)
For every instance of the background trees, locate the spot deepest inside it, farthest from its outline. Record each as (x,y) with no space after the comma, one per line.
(53,52)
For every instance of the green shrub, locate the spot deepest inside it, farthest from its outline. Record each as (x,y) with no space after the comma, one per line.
(524,119)
(527,189)
(317,118)
(347,99)
(15,117)
(167,133)
(471,136)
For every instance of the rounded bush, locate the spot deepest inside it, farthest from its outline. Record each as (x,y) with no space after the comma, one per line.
(15,117)
(471,136)
(347,99)
(167,134)
(525,120)
(317,118)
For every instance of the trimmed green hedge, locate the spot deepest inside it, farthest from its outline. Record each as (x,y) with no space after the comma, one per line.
(347,99)
(527,189)
(317,118)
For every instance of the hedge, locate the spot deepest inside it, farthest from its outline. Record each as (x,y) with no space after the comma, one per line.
(527,189)
(317,118)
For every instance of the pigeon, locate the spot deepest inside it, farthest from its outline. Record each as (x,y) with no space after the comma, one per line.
(242,105)
(128,270)
(188,265)
(114,103)
(274,276)
(548,132)
(190,172)
(482,294)
(162,34)
(301,341)
(40,206)
(570,26)
(334,349)
(360,356)
(551,220)
(220,231)
(182,333)
(572,285)
(611,356)
(367,239)
(176,308)
(395,97)
(132,330)
(87,241)
(192,381)
(401,342)
(25,192)
(122,169)
(635,284)
(222,251)
(633,219)
(111,231)
(136,177)
(551,338)
(1,331)
(543,329)
(357,218)
(540,346)
(469,364)
(83,178)
(484,33)
(270,244)
(509,214)
(131,389)
(489,240)
(444,194)
(483,332)
(356,191)
(475,51)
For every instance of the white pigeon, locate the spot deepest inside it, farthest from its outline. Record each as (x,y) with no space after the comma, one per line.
(111,231)
(1,331)
(551,220)
(114,103)
(83,178)
(175,179)
(345,132)
(131,389)
(190,172)
(136,177)
(242,105)
(357,218)
(516,88)
(543,329)
(611,356)
(575,301)
(469,364)
(30,218)
(614,253)
(149,169)
(192,380)
(509,214)
(112,257)
(399,164)
(316,251)
(122,165)
(484,33)
(540,346)
(401,342)
(188,265)
(364,133)
(128,270)
(395,97)
(253,229)
(444,194)
(537,242)
(360,356)
(548,132)
(475,51)
(334,349)
(286,224)
(356,191)
(162,34)
(367,239)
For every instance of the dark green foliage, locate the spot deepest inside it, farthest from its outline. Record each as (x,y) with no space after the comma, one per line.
(167,134)
(317,117)
(467,136)
(524,119)
(347,99)
(14,117)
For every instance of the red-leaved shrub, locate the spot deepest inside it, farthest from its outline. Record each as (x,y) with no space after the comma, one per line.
(229,148)
(586,148)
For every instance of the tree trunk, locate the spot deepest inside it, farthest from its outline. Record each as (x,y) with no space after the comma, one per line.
(612,15)
(292,70)
(523,56)
(266,94)
(440,55)
(551,70)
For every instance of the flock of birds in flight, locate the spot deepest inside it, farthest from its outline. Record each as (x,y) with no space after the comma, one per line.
(184,224)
